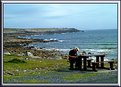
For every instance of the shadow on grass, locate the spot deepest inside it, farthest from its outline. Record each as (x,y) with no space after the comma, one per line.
(66,69)
(15,61)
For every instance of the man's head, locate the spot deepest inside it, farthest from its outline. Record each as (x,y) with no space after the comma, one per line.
(76,49)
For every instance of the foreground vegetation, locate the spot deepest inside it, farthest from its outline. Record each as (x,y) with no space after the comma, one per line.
(49,67)
(24,69)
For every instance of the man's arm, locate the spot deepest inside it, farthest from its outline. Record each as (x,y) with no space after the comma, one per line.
(72,56)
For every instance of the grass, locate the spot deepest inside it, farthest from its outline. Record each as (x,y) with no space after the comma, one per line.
(48,71)
(78,76)
(30,67)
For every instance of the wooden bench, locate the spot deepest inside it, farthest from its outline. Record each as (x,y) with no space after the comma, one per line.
(110,63)
(94,65)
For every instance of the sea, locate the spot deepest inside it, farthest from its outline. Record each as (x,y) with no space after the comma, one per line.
(94,41)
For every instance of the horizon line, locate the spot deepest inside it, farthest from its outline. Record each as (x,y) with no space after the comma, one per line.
(60,28)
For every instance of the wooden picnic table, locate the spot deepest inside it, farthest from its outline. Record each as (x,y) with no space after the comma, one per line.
(99,60)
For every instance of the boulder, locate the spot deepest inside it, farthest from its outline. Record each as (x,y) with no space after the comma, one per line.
(7,53)
(29,54)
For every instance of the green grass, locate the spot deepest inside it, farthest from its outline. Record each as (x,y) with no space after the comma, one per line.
(35,81)
(30,67)
(45,71)
(78,76)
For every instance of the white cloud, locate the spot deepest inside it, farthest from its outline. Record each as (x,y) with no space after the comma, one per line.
(60,15)
(57,10)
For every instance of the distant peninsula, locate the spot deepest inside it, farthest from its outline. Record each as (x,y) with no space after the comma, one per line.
(32,31)
(10,35)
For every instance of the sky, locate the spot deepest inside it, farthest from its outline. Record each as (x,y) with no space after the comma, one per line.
(79,16)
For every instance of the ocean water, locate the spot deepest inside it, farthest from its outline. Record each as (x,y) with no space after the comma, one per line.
(102,41)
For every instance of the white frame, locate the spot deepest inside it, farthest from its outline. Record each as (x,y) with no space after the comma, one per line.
(70,2)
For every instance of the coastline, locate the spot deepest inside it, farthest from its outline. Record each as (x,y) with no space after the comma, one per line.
(15,45)
(24,64)
(11,36)
(15,40)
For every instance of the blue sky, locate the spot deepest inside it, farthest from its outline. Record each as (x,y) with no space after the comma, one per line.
(80,16)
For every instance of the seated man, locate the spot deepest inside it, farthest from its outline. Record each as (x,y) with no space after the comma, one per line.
(73,58)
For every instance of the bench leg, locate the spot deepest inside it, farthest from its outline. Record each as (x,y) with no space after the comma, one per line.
(111,66)
(89,63)
(102,61)
(94,66)
(97,60)
(85,66)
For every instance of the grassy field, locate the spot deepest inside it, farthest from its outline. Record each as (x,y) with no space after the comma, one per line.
(24,69)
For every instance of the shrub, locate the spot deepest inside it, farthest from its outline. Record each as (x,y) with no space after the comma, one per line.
(16,61)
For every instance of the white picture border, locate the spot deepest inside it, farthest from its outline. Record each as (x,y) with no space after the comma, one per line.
(70,2)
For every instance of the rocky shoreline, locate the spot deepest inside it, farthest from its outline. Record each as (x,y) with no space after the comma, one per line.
(11,39)
(13,44)
(10,36)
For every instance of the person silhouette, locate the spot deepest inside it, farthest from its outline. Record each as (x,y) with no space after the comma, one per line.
(73,58)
